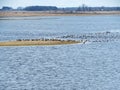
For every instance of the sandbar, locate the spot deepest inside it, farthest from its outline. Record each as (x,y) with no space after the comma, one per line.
(38,43)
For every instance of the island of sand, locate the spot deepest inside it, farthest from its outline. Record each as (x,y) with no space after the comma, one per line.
(34,42)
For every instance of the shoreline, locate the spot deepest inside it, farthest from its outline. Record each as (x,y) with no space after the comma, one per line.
(37,43)
(53,13)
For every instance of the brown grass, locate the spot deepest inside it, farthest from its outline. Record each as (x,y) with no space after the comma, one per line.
(33,43)
(57,13)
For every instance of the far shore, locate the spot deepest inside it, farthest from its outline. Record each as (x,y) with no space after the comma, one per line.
(39,43)
(54,13)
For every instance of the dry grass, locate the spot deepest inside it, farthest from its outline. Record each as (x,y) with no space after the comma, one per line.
(58,13)
(33,43)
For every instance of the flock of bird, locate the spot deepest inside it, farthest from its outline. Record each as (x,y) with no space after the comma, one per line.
(95,37)
(84,37)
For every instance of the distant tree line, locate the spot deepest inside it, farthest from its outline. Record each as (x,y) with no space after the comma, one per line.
(40,8)
(31,8)
(54,8)
(98,9)
(5,8)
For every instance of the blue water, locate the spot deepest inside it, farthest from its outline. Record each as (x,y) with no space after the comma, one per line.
(90,66)
(37,27)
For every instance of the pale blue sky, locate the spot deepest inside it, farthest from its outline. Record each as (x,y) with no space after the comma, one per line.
(59,3)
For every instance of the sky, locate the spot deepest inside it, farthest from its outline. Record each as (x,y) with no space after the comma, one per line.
(58,3)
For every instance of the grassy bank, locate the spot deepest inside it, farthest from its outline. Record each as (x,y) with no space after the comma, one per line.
(58,13)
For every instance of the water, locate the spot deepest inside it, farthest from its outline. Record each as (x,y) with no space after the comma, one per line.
(37,27)
(90,66)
